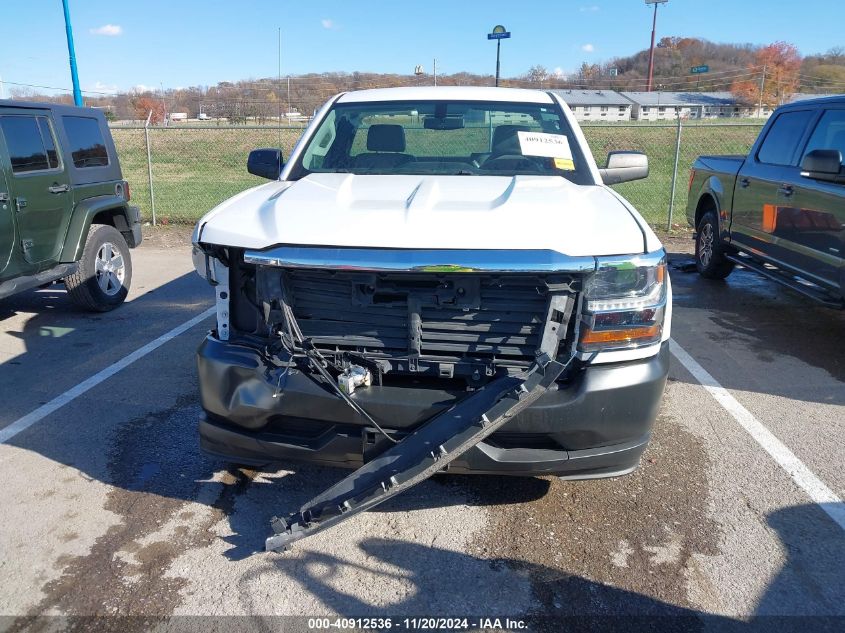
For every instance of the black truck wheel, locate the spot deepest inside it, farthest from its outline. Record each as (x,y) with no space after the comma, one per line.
(710,258)
(105,271)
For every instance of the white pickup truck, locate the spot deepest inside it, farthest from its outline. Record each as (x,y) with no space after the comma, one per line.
(436,278)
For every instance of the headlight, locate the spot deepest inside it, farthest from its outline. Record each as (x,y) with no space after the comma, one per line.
(624,303)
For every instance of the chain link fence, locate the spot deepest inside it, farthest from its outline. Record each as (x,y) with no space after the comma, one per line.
(193,168)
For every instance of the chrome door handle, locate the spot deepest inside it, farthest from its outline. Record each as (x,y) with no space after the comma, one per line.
(4,197)
(58,189)
(20,203)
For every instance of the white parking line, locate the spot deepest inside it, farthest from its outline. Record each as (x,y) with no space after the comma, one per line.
(74,392)
(786,459)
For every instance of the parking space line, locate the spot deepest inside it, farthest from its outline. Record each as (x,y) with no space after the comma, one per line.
(71,394)
(786,459)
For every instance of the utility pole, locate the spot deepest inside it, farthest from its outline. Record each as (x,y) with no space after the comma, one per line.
(289,93)
(762,88)
(435,72)
(279,87)
(74,75)
(651,50)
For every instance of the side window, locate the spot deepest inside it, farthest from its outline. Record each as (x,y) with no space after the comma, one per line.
(25,144)
(781,142)
(49,142)
(829,133)
(87,146)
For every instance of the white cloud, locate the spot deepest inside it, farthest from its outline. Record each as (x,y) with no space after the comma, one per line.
(328,24)
(559,72)
(111,30)
(138,88)
(590,9)
(588,48)
(99,86)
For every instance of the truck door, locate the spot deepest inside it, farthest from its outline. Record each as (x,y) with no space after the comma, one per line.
(7,222)
(766,183)
(39,186)
(816,223)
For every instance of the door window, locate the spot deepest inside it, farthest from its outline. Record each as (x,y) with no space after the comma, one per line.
(782,140)
(87,146)
(829,133)
(26,143)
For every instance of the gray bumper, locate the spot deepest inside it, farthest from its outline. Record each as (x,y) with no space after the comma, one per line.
(596,426)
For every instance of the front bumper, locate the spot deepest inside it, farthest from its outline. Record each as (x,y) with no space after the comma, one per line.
(597,425)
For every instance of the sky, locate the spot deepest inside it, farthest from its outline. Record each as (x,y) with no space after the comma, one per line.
(179,43)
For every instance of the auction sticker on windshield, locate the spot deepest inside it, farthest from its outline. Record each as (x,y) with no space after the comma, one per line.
(554,146)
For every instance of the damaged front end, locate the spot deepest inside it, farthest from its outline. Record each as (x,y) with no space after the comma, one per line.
(414,356)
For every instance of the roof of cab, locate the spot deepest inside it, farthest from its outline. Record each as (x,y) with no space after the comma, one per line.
(59,108)
(448,93)
(818,101)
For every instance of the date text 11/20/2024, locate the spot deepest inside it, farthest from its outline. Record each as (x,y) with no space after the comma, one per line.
(417,624)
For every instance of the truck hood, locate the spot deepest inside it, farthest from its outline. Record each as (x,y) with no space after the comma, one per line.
(428,212)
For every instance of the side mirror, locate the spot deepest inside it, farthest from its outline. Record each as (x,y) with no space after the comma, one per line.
(823,164)
(266,163)
(623,167)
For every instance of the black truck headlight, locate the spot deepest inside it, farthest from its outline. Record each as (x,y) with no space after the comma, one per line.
(624,303)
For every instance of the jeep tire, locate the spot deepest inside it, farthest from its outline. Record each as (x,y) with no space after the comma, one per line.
(102,280)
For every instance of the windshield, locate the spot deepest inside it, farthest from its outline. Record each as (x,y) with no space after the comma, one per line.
(445,138)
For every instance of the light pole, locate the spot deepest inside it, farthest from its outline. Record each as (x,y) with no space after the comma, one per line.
(499,33)
(74,77)
(651,51)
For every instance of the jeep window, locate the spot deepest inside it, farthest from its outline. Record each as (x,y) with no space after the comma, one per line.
(26,145)
(49,142)
(445,138)
(87,146)
(781,142)
(829,133)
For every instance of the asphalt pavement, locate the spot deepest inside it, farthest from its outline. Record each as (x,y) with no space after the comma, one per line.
(110,508)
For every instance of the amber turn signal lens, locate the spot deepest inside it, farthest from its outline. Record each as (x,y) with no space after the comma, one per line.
(629,335)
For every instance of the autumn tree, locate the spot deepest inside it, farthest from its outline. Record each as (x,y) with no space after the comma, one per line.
(142,106)
(781,64)
(537,74)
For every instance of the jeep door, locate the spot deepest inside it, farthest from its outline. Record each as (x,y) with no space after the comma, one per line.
(7,222)
(817,224)
(766,184)
(39,185)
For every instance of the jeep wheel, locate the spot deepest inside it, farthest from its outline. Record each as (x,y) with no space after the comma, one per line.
(105,271)
(710,258)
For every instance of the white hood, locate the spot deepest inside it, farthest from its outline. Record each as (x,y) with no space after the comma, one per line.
(428,212)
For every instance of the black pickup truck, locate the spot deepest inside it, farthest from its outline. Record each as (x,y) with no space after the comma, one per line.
(779,211)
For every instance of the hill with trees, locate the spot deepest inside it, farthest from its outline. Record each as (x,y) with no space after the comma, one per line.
(743,69)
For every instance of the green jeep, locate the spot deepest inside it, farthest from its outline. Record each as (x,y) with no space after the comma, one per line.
(64,206)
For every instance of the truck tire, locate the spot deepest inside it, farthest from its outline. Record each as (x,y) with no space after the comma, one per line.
(710,258)
(105,271)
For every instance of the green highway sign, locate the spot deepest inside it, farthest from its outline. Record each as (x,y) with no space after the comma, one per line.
(697,70)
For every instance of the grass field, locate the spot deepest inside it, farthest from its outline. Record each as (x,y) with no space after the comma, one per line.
(196,168)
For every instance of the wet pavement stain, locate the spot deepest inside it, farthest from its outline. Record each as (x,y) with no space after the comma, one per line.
(610,547)
(155,468)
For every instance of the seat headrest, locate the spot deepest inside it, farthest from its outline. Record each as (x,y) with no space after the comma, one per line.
(505,139)
(386,138)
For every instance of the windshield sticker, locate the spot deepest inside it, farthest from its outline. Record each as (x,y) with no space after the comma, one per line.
(545,145)
(564,164)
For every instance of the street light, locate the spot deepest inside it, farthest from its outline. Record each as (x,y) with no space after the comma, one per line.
(499,33)
(651,52)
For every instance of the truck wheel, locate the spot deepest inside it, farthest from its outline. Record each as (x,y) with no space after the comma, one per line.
(709,254)
(105,271)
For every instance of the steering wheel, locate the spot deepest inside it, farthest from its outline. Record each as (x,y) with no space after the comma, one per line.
(530,162)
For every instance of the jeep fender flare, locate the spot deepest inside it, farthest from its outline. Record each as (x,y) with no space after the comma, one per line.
(712,195)
(82,217)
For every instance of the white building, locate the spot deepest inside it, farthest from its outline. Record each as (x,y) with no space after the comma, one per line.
(660,106)
(597,105)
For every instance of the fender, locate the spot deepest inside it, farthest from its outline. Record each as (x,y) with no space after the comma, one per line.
(713,188)
(83,215)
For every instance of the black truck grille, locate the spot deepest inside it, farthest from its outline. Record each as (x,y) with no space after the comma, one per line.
(446,317)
